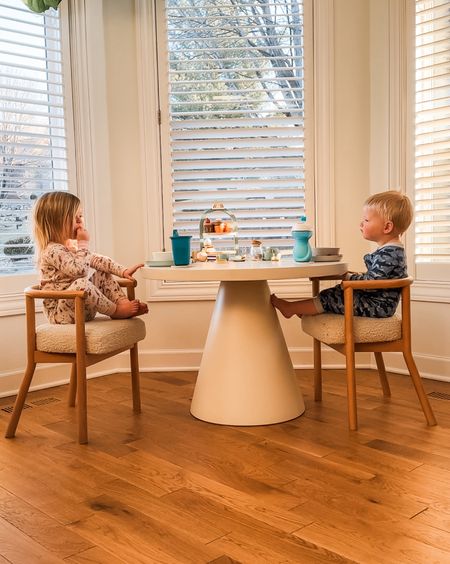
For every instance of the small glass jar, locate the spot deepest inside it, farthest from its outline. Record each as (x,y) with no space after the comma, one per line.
(271,253)
(256,250)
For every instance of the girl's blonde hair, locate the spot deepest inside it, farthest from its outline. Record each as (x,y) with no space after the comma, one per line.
(53,217)
(393,206)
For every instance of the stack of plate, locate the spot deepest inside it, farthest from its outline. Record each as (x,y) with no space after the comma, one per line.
(160,258)
(326,254)
(159,263)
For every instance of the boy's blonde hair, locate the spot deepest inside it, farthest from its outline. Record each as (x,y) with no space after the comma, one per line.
(393,206)
(53,217)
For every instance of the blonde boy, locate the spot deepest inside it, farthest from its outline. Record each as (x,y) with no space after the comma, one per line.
(386,216)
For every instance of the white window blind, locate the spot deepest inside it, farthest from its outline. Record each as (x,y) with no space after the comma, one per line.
(237,114)
(432,134)
(33,155)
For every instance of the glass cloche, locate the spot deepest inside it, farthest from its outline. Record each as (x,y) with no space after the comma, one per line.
(218,230)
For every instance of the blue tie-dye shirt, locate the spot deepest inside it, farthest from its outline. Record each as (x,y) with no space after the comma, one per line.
(388,261)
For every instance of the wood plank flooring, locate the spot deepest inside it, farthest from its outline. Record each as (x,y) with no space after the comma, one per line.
(163,487)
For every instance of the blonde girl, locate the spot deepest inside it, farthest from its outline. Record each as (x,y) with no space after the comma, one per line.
(66,263)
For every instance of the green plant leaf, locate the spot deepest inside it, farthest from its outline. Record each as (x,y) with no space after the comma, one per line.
(40,6)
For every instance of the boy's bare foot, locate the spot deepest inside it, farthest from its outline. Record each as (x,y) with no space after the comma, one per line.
(125,309)
(286,308)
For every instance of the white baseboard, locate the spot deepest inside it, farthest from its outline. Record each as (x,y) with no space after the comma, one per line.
(430,367)
(50,375)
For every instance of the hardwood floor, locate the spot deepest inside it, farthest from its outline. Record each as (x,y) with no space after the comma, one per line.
(165,487)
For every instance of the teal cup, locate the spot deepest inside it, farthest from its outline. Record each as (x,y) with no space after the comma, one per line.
(181,248)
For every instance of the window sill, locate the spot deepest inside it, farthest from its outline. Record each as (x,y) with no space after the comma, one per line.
(165,291)
(11,293)
(430,291)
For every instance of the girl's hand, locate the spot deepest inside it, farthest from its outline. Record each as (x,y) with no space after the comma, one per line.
(128,273)
(82,233)
(71,245)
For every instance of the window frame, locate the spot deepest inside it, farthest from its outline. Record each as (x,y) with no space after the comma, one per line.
(86,123)
(173,188)
(319,110)
(11,301)
(429,284)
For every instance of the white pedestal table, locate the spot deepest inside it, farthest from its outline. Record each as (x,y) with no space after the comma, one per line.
(246,375)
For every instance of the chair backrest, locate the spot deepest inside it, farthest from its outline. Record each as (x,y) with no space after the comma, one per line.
(404,284)
(406,312)
(33,293)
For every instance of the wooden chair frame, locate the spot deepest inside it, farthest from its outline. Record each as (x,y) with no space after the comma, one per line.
(349,347)
(80,360)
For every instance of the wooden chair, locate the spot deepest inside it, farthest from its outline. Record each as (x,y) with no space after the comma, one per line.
(348,334)
(81,344)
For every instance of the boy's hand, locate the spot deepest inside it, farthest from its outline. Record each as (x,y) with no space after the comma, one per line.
(346,275)
(128,273)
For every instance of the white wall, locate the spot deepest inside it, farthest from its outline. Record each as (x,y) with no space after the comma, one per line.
(352,125)
(388,169)
(176,331)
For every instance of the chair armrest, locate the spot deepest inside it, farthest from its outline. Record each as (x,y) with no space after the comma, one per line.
(329,277)
(368,284)
(36,293)
(377,284)
(127,283)
(350,285)
(130,285)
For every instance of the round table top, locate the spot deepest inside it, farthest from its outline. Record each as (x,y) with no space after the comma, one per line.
(245,271)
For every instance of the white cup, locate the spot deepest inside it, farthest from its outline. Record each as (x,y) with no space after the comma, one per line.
(162,255)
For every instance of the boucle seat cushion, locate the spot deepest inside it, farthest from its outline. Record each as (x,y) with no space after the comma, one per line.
(329,328)
(103,335)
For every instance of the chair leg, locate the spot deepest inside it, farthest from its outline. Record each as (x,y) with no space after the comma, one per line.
(135,379)
(351,390)
(382,374)
(20,400)
(73,385)
(417,381)
(82,401)
(317,370)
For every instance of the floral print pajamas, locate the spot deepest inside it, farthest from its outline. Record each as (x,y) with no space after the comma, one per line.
(65,269)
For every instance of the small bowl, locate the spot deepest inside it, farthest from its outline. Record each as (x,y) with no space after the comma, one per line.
(325,251)
(162,255)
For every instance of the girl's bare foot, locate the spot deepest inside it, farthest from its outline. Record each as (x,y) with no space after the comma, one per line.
(143,308)
(125,309)
(286,308)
